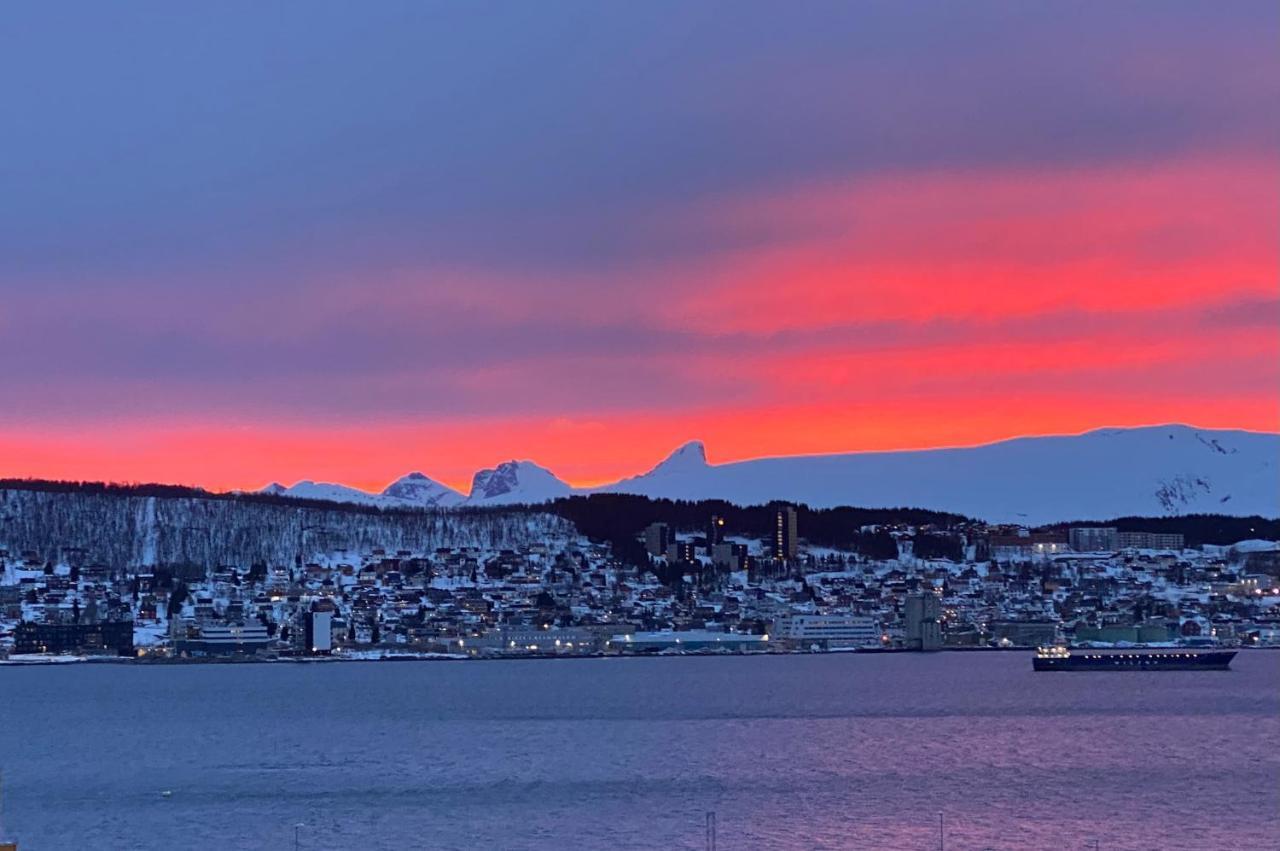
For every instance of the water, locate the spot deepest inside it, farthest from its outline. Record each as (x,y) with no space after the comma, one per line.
(800,752)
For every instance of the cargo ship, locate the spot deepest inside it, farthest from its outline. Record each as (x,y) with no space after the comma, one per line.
(1171,659)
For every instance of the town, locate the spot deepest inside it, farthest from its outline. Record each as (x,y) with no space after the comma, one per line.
(702,591)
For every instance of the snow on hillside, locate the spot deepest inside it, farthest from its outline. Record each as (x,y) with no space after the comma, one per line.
(516,482)
(1158,470)
(122,530)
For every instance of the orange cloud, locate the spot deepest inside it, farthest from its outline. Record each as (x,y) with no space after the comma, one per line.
(995,244)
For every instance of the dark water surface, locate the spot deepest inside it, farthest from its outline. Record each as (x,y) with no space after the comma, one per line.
(799,752)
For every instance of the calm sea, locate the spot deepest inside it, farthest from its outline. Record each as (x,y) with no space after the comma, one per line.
(799,752)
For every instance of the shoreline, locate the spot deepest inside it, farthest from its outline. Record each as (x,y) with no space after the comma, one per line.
(392,656)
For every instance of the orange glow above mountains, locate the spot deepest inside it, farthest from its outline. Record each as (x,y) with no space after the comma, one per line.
(929,311)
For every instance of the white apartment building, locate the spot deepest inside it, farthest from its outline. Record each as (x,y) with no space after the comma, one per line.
(827,631)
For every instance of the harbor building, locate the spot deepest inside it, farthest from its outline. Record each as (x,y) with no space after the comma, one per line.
(688,641)
(105,637)
(225,640)
(532,639)
(1024,633)
(1151,631)
(828,632)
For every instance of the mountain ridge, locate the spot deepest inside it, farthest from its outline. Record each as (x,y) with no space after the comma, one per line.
(1105,472)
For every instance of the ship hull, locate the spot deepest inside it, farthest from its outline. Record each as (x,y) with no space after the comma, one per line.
(1213,660)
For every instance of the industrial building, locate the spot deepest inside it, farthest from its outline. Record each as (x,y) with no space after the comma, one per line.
(923,628)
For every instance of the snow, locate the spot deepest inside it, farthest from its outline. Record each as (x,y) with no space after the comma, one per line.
(307,489)
(1098,475)
(1157,470)
(418,489)
(516,482)
(414,490)
(149,635)
(689,458)
(1254,545)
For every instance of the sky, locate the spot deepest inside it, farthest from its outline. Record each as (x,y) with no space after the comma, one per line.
(243,242)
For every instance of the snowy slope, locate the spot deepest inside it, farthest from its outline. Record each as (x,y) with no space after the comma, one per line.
(417,489)
(307,489)
(412,491)
(1157,470)
(516,482)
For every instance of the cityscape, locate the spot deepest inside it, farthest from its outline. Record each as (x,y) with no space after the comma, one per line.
(708,590)
(724,425)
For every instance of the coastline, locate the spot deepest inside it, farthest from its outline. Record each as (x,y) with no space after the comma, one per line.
(392,656)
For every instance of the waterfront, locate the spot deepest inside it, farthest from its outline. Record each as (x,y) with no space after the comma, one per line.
(823,751)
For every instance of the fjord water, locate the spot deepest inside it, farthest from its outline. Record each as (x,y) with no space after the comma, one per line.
(791,752)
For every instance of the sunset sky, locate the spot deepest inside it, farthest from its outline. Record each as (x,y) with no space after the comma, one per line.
(243,241)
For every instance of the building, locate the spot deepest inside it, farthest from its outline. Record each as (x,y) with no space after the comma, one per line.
(1027,546)
(318,632)
(1093,539)
(688,641)
(1024,633)
(785,534)
(1149,541)
(531,639)
(923,630)
(828,632)
(106,637)
(657,537)
(681,551)
(1152,631)
(729,557)
(715,533)
(225,640)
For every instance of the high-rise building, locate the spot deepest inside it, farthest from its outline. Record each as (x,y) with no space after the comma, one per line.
(785,534)
(318,632)
(657,537)
(715,533)
(923,630)
(681,551)
(729,556)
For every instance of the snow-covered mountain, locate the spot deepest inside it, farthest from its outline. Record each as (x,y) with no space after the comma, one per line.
(509,483)
(1158,470)
(516,482)
(418,489)
(307,489)
(412,491)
